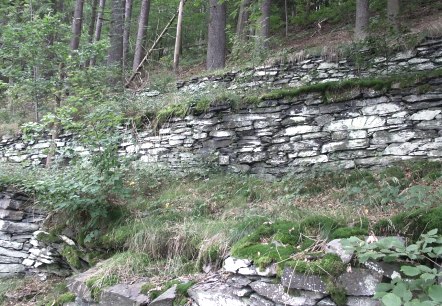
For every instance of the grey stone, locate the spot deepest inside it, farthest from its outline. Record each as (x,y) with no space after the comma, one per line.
(301,129)
(12,253)
(425,115)
(335,247)
(277,294)
(358,123)
(362,301)
(256,300)
(381,109)
(215,293)
(11,245)
(401,149)
(345,145)
(166,298)
(294,280)
(17,228)
(360,282)
(12,268)
(10,204)
(10,260)
(14,215)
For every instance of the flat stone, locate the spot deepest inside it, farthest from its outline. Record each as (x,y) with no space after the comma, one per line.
(256,300)
(14,215)
(425,115)
(381,109)
(17,228)
(215,293)
(345,145)
(294,280)
(360,282)
(219,134)
(326,302)
(12,268)
(11,245)
(301,129)
(9,260)
(358,123)
(12,253)
(386,137)
(126,295)
(335,247)
(401,149)
(362,301)
(277,294)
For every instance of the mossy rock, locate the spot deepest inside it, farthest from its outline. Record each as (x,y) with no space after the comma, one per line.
(48,238)
(72,256)
(322,225)
(411,224)
(337,293)
(347,232)
(63,299)
(328,264)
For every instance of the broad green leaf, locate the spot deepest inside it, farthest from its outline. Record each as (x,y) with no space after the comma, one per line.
(435,293)
(391,299)
(410,271)
(432,232)
(384,287)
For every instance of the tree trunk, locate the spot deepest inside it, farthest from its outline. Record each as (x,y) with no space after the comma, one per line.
(76,24)
(178,39)
(362,18)
(115,55)
(265,22)
(393,7)
(126,35)
(216,48)
(143,21)
(243,19)
(93,21)
(98,26)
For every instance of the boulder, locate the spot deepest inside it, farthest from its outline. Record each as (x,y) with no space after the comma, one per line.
(360,282)
(125,295)
(294,280)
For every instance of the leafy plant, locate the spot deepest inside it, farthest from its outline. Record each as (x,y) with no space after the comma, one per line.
(420,283)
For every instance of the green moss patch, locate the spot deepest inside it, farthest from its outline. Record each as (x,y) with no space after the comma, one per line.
(328,264)
(64,299)
(72,256)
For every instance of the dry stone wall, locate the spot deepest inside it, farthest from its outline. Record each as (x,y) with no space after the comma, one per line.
(20,224)
(364,128)
(304,69)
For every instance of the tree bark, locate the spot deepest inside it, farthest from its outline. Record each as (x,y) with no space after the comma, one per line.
(393,7)
(98,27)
(126,35)
(216,48)
(265,22)
(115,55)
(77,24)
(243,19)
(178,38)
(93,21)
(362,18)
(143,22)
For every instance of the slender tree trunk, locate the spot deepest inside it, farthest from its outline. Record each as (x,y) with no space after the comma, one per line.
(393,7)
(98,27)
(143,21)
(243,19)
(115,55)
(286,13)
(91,29)
(362,19)
(77,24)
(265,22)
(216,48)
(178,38)
(126,35)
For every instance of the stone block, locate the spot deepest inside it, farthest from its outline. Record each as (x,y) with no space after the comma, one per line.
(294,280)
(360,282)
(276,293)
(126,295)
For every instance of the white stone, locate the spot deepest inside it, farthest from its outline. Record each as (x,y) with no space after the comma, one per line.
(147,145)
(41,145)
(358,123)
(401,149)
(335,247)
(28,262)
(425,115)
(67,240)
(232,264)
(324,66)
(219,134)
(380,109)
(301,129)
